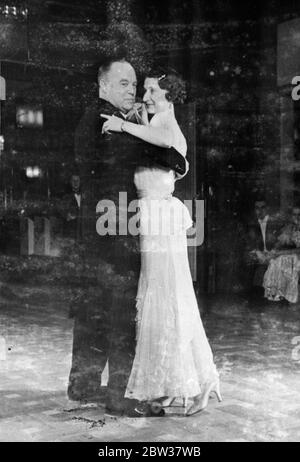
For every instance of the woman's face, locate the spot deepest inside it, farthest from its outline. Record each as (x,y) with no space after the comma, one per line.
(154,97)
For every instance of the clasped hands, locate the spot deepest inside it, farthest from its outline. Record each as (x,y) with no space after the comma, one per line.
(262,257)
(113,123)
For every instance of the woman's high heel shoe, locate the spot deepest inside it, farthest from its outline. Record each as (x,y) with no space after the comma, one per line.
(158,405)
(201,401)
(185,404)
(167,402)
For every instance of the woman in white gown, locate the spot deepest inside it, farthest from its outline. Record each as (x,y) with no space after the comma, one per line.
(173,358)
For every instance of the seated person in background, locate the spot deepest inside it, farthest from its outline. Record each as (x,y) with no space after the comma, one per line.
(72,202)
(281,278)
(262,235)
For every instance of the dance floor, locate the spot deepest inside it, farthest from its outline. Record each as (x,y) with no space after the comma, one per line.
(256,348)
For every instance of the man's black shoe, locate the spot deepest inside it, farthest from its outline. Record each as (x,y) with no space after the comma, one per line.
(144,410)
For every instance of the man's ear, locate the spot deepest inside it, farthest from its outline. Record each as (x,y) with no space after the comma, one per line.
(103,86)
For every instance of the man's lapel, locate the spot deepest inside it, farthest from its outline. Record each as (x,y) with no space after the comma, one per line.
(74,200)
(104,107)
(259,236)
(270,233)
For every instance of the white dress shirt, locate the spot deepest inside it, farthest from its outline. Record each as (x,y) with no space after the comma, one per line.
(263,227)
(78,199)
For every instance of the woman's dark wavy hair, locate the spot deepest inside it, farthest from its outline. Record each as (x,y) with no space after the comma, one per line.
(170,80)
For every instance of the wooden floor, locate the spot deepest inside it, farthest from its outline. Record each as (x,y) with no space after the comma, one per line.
(256,348)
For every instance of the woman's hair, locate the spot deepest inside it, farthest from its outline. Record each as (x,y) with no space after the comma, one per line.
(171,81)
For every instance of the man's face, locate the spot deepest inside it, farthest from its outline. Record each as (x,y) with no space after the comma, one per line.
(119,86)
(75,182)
(260,209)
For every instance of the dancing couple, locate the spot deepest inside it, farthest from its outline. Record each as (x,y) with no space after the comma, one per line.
(144,151)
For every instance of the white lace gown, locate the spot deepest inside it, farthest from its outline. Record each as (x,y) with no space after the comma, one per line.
(173,356)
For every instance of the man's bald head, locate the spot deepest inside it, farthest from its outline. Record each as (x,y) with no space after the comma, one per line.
(117,84)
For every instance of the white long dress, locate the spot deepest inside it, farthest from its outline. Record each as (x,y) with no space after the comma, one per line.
(173,356)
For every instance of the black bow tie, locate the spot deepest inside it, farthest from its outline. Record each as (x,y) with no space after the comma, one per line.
(131,117)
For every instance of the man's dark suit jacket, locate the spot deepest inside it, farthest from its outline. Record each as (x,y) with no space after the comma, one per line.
(73,227)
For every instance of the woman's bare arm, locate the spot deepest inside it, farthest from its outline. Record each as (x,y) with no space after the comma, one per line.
(159,136)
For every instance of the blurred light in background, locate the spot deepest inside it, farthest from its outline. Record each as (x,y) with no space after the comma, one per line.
(33,172)
(1,142)
(2,88)
(12,11)
(28,116)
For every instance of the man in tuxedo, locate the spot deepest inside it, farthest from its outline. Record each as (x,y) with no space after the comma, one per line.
(108,162)
(73,206)
(262,237)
